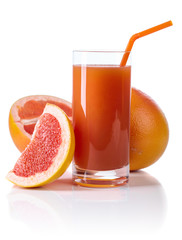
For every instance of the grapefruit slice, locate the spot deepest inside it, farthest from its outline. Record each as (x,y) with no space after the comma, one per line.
(25,112)
(49,153)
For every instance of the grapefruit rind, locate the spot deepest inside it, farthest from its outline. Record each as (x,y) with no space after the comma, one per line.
(62,159)
(20,138)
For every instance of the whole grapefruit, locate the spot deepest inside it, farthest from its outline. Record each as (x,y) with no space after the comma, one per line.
(149,132)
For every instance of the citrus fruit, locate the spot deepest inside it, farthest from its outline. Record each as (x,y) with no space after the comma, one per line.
(149,131)
(49,153)
(24,114)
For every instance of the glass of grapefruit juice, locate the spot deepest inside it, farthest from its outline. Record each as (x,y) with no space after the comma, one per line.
(101,118)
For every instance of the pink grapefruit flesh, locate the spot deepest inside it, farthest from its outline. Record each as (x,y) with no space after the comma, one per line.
(49,153)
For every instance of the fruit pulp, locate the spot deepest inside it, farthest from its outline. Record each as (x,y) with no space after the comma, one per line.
(101,116)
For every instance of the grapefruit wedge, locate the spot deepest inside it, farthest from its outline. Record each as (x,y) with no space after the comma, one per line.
(25,112)
(49,153)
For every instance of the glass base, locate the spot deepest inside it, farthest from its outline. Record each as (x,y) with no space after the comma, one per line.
(100,179)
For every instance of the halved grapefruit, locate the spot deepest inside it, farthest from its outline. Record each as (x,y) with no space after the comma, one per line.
(49,153)
(25,112)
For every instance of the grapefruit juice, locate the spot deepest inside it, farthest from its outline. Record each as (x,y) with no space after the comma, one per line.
(101,119)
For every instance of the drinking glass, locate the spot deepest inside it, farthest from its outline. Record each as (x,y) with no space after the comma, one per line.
(101,118)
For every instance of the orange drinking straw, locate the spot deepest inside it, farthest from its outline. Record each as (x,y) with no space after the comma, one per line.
(139,35)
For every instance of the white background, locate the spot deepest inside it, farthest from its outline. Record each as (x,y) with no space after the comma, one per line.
(36,42)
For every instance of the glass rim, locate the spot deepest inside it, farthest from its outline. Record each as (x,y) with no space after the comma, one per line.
(100,51)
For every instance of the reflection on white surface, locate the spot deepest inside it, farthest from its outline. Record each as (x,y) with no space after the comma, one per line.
(138,206)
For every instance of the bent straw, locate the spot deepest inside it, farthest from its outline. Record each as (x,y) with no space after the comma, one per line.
(139,35)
